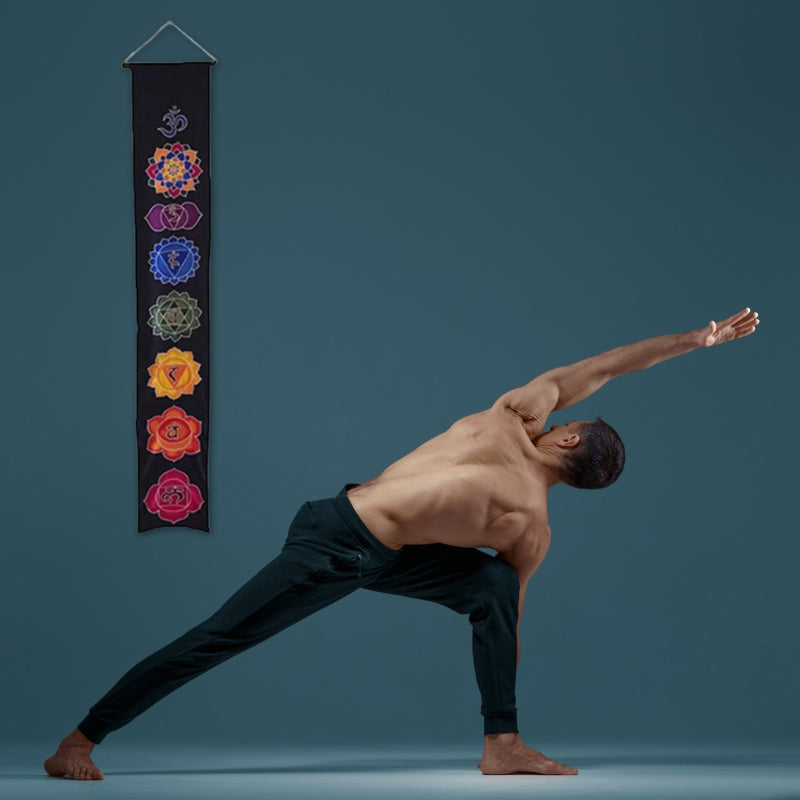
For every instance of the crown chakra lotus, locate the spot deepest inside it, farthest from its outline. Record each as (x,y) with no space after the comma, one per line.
(174,170)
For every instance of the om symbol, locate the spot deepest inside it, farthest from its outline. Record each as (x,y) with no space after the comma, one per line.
(176,122)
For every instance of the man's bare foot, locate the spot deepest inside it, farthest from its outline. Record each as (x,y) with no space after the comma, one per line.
(71,760)
(507,754)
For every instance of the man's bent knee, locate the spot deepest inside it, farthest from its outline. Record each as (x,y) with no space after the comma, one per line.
(498,584)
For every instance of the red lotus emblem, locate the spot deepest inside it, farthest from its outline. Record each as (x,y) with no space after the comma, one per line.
(174,497)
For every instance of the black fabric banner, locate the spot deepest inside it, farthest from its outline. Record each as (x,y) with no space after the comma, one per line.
(172,202)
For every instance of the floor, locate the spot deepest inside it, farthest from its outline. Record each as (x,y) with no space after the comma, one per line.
(383,773)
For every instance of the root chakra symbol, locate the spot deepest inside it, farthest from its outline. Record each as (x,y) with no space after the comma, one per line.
(174,373)
(174,170)
(174,260)
(174,316)
(174,434)
(174,497)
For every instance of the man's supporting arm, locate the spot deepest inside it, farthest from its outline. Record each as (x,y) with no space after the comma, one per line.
(525,555)
(564,386)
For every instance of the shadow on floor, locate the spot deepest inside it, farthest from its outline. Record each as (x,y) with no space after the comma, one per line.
(341,767)
(735,759)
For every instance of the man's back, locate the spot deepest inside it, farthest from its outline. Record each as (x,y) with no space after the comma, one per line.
(475,485)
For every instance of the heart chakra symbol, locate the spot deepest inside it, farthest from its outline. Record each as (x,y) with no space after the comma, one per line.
(174,316)
(174,260)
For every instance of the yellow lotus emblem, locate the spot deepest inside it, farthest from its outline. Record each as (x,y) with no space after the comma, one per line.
(174,373)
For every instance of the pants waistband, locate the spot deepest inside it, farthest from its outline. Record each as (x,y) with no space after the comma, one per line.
(344,508)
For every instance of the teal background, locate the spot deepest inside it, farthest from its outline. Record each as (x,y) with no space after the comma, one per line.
(417,205)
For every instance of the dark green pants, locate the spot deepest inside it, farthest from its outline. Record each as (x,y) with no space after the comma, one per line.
(328,554)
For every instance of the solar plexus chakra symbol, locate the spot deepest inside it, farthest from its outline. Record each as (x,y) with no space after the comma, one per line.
(174,260)
(174,170)
(173,217)
(174,316)
(174,497)
(174,434)
(174,373)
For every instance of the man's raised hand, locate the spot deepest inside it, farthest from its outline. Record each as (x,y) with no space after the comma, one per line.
(741,324)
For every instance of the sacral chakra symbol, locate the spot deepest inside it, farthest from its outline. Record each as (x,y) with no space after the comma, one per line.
(174,434)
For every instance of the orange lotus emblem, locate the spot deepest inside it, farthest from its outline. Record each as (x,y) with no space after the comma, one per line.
(174,373)
(174,434)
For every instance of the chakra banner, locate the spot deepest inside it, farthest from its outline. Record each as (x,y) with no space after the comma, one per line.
(172,202)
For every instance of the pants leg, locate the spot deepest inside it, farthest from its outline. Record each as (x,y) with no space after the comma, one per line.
(470,582)
(319,564)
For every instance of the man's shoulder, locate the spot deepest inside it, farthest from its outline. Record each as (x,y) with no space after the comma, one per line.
(494,418)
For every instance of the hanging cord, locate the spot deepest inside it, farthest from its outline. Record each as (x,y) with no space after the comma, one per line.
(127,60)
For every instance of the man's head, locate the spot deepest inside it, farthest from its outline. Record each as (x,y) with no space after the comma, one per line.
(591,454)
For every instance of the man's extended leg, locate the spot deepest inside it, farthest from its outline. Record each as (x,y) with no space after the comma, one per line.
(322,561)
(472,582)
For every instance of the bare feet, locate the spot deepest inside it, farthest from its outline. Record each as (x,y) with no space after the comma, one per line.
(71,760)
(506,754)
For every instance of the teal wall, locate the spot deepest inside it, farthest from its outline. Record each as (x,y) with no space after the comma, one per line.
(417,205)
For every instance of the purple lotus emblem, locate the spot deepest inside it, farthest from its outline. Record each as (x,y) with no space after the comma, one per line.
(174,217)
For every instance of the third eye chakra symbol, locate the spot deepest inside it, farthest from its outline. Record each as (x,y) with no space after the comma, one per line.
(176,122)
(174,316)
(174,260)
(173,217)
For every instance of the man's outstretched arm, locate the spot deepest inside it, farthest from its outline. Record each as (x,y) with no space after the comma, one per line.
(564,386)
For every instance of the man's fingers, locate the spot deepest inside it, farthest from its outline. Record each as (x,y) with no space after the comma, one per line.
(739,315)
(748,319)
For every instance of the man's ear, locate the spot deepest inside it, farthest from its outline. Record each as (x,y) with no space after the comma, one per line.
(570,441)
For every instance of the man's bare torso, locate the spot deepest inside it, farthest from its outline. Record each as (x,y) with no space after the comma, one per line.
(475,485)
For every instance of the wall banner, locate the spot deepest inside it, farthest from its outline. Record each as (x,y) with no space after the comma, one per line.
(172,205)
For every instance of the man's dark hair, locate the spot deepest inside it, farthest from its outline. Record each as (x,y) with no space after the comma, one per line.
(598,460)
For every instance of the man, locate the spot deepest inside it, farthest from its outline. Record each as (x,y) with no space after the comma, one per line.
(415,530)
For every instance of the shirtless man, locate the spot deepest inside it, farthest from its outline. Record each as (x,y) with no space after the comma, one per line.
(415,530)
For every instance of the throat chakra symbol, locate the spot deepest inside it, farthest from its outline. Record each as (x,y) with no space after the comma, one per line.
(174,170)
(176,123)
(174,316)
(174,260)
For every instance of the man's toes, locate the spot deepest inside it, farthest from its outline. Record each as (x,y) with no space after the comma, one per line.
(563,769)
